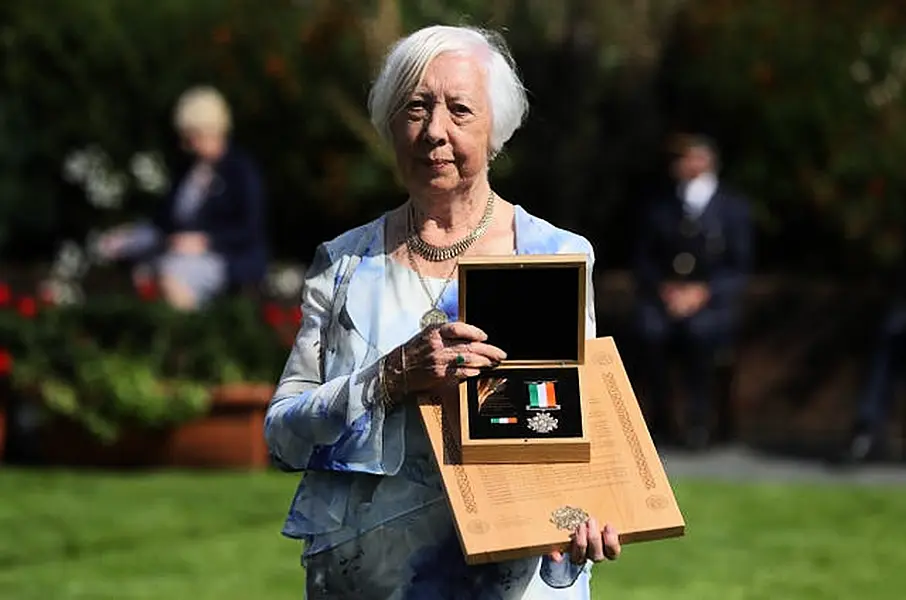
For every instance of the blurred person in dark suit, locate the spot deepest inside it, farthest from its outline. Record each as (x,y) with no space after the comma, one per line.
(209,234)
(866,440)
(691,266)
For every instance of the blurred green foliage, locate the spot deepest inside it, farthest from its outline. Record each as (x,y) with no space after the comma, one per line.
(118,360)
(807,98)
(296,73)
(804,99)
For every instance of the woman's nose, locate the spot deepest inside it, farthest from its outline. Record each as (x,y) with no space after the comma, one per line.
(436,127)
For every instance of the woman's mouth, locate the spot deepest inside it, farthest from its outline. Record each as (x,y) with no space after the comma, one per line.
(436,164)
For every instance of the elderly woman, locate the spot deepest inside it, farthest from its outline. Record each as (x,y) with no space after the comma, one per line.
(380,328)
(209,234)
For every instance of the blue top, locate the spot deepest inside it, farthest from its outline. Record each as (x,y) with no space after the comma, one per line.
(371,476)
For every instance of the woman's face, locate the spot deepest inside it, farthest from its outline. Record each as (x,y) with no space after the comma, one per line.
(205,145)
(441,136)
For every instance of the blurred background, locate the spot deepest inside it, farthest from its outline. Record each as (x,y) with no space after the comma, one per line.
(134,460)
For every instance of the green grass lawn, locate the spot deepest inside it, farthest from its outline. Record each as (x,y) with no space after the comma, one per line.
(202,536)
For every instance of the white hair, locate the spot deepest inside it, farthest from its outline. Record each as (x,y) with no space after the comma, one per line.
(408,59)
(202,108)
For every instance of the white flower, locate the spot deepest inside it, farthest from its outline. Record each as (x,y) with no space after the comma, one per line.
(75,167)
(80,163)
(62,292)
(878,96)
(105,189)
(93,248)
(898,60)
(286,282)
(149,172)
(92,168)
(892,87)
(860,71)
(70,261)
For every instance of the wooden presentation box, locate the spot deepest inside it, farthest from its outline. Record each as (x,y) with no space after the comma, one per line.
(509,511)
(530,409)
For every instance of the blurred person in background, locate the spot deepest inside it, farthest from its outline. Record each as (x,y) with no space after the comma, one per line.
(866,440)
(209,235)
(380,329)
(691,265)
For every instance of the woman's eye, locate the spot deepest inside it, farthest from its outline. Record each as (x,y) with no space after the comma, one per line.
(461,109)
(415,106)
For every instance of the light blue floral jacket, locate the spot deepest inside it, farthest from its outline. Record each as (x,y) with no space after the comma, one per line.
(324,419)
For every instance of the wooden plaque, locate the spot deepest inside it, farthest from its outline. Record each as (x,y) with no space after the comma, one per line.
(508,511)
(502,420)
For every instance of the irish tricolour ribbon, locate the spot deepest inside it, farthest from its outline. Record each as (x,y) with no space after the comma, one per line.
(542,394)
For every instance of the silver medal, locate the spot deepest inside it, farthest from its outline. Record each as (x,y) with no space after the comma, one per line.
(542,423)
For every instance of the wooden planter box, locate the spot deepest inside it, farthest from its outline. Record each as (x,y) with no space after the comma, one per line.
(231,435)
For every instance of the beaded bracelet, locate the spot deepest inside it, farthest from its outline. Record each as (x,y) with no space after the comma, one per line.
(404,370)
(383,392)
(387,398)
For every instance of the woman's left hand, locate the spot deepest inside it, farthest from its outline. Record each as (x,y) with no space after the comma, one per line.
(590,542)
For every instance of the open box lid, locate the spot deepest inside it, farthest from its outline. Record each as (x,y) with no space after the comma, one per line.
(531,306)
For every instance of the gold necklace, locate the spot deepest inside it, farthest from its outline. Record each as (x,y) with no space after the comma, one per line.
(434,315)
(434,253)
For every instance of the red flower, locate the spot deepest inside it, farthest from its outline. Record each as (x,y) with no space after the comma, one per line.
(6,297)
(45,294)
(6,363)
(147,290)
(273,315)
(296,315)
(27,307)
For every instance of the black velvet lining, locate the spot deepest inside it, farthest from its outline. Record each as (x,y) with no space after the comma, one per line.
(531,313)
(511,400)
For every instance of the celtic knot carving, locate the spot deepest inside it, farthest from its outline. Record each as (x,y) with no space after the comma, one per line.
(454,452)
(632,438)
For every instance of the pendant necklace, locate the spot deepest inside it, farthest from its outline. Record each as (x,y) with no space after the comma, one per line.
(434,316)
(415,245)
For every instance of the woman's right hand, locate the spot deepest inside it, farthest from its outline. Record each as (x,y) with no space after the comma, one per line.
(444,354)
